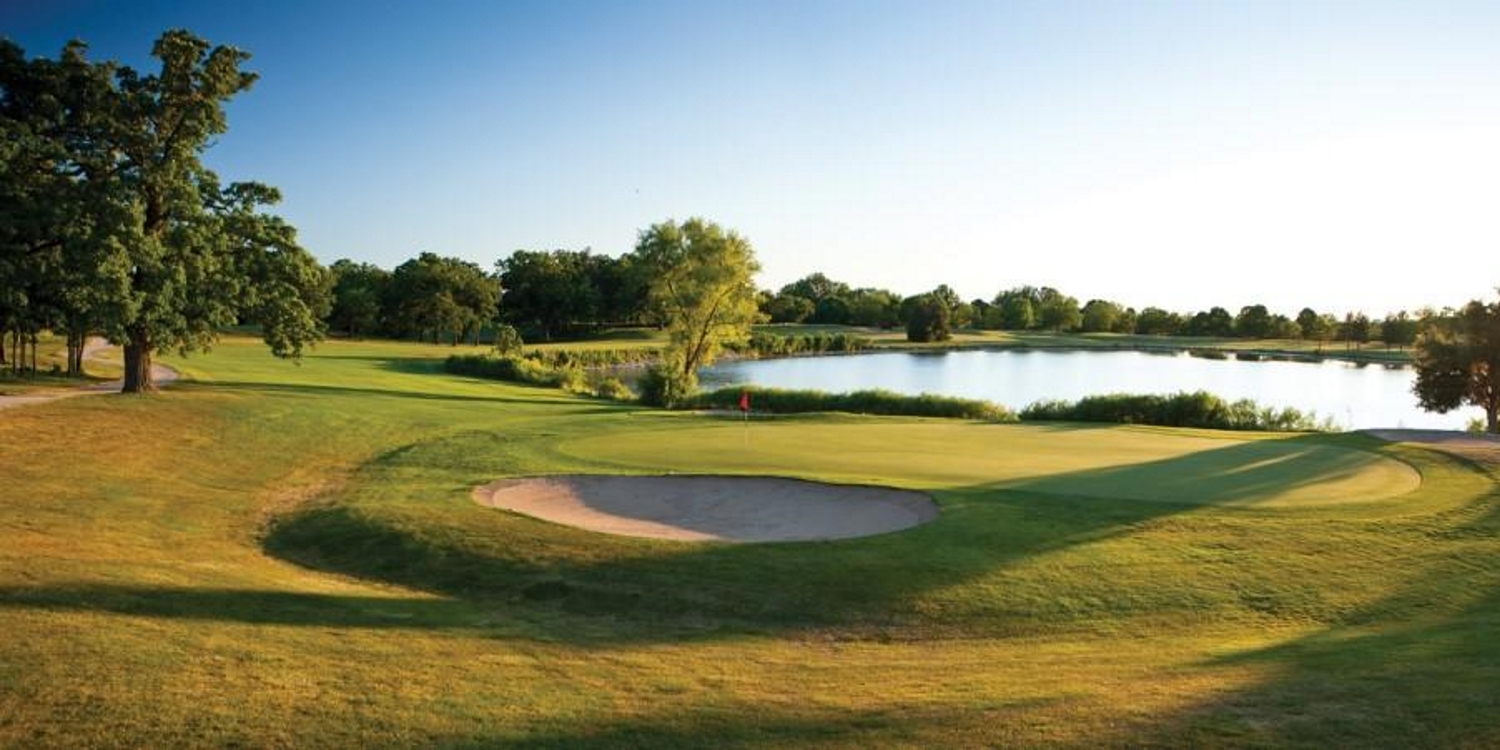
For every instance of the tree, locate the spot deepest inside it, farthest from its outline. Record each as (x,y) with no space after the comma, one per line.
(787,308)
(1253,322)
(1100,316)
(169,254)
(431,295)
(1458,363)
(830,311)
(874,307)
(928,318)
(1057,311)
(1155,321)
(549,291)
(1355,329)
(358,290)
(704,285)
(816,287)
(1215,322)
(1398,330)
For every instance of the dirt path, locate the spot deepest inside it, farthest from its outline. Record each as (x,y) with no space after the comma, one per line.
(1474,446)
(162,374)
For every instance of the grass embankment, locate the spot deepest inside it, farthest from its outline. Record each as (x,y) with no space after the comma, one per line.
(288,555)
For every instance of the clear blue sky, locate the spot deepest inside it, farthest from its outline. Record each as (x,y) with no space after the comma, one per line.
(1182,154)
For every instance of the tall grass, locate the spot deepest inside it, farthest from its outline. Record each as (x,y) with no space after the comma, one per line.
(1196,409)
(569,375)
(788,401)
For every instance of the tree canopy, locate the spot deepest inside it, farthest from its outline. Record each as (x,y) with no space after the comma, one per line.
(119,228)
(1458,362)
(703,284)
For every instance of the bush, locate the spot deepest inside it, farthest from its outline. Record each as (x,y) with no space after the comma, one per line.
(613,389)
(514,369)
(762,344)
(666,386)
(1197,409)
(785,401)
(508,341)
(928,319)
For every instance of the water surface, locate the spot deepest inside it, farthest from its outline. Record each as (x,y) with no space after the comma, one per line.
(1354,396)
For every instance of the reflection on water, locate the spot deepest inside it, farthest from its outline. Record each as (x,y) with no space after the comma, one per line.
(1354,395)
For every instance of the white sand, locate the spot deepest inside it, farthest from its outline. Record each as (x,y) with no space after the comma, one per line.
(711,508)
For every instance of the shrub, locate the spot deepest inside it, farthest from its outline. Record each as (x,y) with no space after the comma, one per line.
(786,401)
(1197,409)
(762,344)
(508,341)
(928,319)
(666,386)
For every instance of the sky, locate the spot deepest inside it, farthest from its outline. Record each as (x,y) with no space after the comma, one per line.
(1334,154)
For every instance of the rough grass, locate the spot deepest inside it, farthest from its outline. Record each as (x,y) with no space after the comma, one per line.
(284,555)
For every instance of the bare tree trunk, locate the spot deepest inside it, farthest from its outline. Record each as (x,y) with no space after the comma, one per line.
(138,365)
(1492,413)
(33,354)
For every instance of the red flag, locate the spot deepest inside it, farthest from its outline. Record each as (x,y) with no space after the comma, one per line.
(745,401)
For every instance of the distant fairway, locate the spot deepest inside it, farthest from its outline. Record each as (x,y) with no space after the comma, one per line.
(269,554)
(1180,466)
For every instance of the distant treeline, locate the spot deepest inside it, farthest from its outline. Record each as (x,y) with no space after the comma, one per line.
(932,316)
(547,295)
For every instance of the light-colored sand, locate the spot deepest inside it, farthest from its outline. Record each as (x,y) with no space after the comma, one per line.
(711,508)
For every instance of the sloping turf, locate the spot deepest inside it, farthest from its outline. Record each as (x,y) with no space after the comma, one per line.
(285,555)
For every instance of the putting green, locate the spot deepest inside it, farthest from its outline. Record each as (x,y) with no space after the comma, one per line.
(1111,462)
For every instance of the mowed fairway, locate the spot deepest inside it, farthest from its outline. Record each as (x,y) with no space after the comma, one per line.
(284,555)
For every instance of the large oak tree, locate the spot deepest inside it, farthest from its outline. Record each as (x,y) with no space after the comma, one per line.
(1458,362)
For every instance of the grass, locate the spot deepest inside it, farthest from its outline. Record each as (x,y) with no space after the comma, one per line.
(286,555)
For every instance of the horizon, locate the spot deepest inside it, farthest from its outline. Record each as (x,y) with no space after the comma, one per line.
(1322,155)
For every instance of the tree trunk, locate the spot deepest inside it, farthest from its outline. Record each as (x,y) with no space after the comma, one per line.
(138,365)
(1493,415)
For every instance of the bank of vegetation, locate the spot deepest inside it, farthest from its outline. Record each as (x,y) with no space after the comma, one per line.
(1196,409)
(798,401)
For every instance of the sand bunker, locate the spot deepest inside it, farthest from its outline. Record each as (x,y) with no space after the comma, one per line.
(711,508)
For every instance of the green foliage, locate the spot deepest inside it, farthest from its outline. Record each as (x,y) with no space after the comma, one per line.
(552,293)
(764,344)
(508,341)
(1198,409)
(359,292)
(1215,321)
(431,295)
(787,308)
(666,385)
(1458,362)
(1154,321)
(1101,316)
(148,246)
(703,285)
(1253,322)
(788,401)
(928,318)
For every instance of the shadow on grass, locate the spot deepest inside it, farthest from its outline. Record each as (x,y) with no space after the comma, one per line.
(1419,667)
(547,396)
(519,578)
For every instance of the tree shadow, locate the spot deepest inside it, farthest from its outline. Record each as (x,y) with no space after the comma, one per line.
(1419,667)
(527,579)
(547,396)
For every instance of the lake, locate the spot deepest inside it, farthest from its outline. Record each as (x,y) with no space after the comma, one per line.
(1355,396)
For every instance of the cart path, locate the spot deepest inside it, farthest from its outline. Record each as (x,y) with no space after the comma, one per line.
(162,374)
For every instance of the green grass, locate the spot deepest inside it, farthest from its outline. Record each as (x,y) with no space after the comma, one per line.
(286,555)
